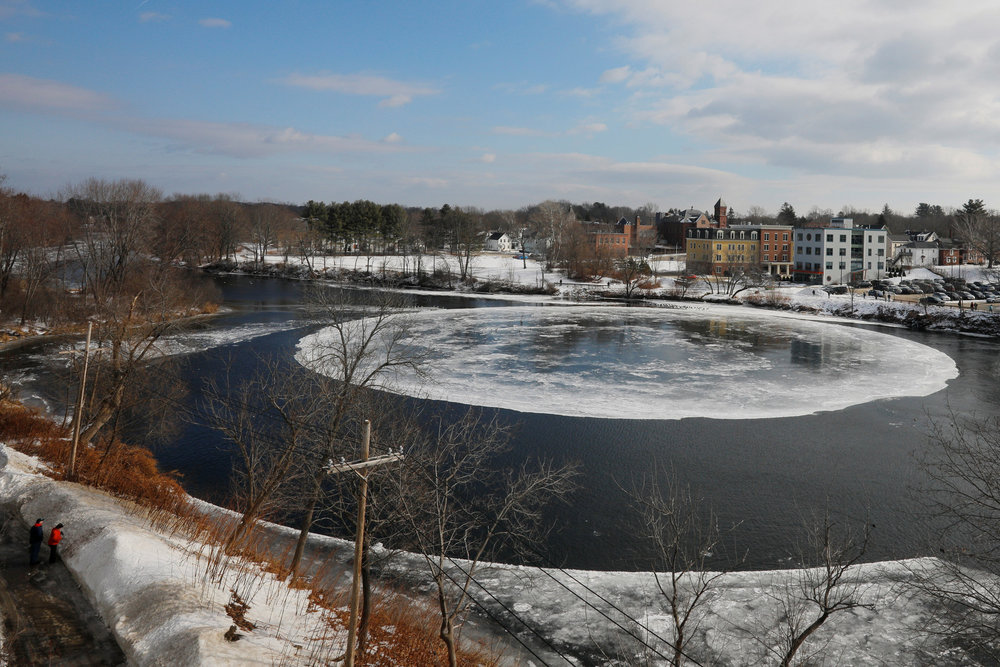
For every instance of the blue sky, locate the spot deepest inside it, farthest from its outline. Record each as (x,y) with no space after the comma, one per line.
(502,104)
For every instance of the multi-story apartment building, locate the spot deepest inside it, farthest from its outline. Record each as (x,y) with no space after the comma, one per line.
(718,251)
(722,251)
(839,252)
(775,248)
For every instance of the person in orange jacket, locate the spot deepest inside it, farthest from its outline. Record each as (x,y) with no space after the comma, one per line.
(55,537)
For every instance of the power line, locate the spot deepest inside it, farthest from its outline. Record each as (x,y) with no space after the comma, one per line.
(500,623)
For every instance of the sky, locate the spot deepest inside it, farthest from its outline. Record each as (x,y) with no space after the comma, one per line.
(857,103)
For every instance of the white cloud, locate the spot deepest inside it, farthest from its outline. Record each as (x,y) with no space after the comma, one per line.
(522,88)
(616,75)
(215,23)
(588,129)
(392,138)
(488,158)
(245,140)
(582,92)
(156,17)
(869,87)
(24,92)
(395,93)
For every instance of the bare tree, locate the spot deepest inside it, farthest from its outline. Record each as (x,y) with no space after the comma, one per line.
(465,232)
(963,504)
(980,229)
(269,417)
(134,300)
(226,224)
(550,221)
(364,349)
(632,271)
(683,540)
(825,587)
(458,502)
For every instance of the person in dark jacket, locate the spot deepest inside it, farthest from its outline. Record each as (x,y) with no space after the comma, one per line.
(55,537)
(35,537)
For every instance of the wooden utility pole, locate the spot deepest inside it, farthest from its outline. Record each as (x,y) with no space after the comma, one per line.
(78,413)
(361,467)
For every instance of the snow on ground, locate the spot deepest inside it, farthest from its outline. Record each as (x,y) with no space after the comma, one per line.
(150,587)
(666,360)
(150,590)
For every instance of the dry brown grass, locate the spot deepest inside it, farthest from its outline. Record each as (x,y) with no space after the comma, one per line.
(122,470)
(402,631)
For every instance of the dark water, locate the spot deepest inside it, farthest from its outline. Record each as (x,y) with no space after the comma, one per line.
(762,478)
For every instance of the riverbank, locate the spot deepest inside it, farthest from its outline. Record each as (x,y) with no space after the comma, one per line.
(153,590)
(500,274)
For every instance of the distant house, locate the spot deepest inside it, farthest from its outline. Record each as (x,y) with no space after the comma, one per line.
(917,254)
(499,242)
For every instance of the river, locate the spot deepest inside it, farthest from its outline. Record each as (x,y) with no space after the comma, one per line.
(764,479)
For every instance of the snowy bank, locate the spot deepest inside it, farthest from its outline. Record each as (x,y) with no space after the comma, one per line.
(150,588)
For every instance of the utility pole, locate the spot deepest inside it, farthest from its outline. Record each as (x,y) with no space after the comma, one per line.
(78,413)
(361,467)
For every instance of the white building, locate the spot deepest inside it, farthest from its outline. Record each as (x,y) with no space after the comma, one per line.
(840,253)
(499,242)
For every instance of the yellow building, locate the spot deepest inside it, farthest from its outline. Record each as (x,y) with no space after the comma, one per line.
(722,251)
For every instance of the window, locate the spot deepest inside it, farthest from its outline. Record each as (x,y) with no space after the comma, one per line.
(718,258)
(829,265)
(881,252)
(829,251)
(784,258)
(767,246)
(742,246)
(869,252)
(809,237)
(809,250)
(881,266)
(767,236)
(742,235)
(843,266)
(843,252)
(718,246)
(800,236)
(785,238)
(719,234)
(753,236)
(869,238)
(843,238)
(829,238)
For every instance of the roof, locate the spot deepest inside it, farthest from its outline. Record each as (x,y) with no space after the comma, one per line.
(496,236)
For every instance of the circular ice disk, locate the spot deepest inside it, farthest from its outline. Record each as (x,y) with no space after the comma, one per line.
(657,363)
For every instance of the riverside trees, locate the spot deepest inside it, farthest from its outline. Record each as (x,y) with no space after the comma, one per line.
(133,299)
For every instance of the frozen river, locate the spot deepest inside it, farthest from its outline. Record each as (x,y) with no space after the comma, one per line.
(768,420)
(657,362)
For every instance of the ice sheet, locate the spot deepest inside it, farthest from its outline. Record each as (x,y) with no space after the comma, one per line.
(638,363)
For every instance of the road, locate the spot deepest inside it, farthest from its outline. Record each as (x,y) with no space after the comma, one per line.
(47,620)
